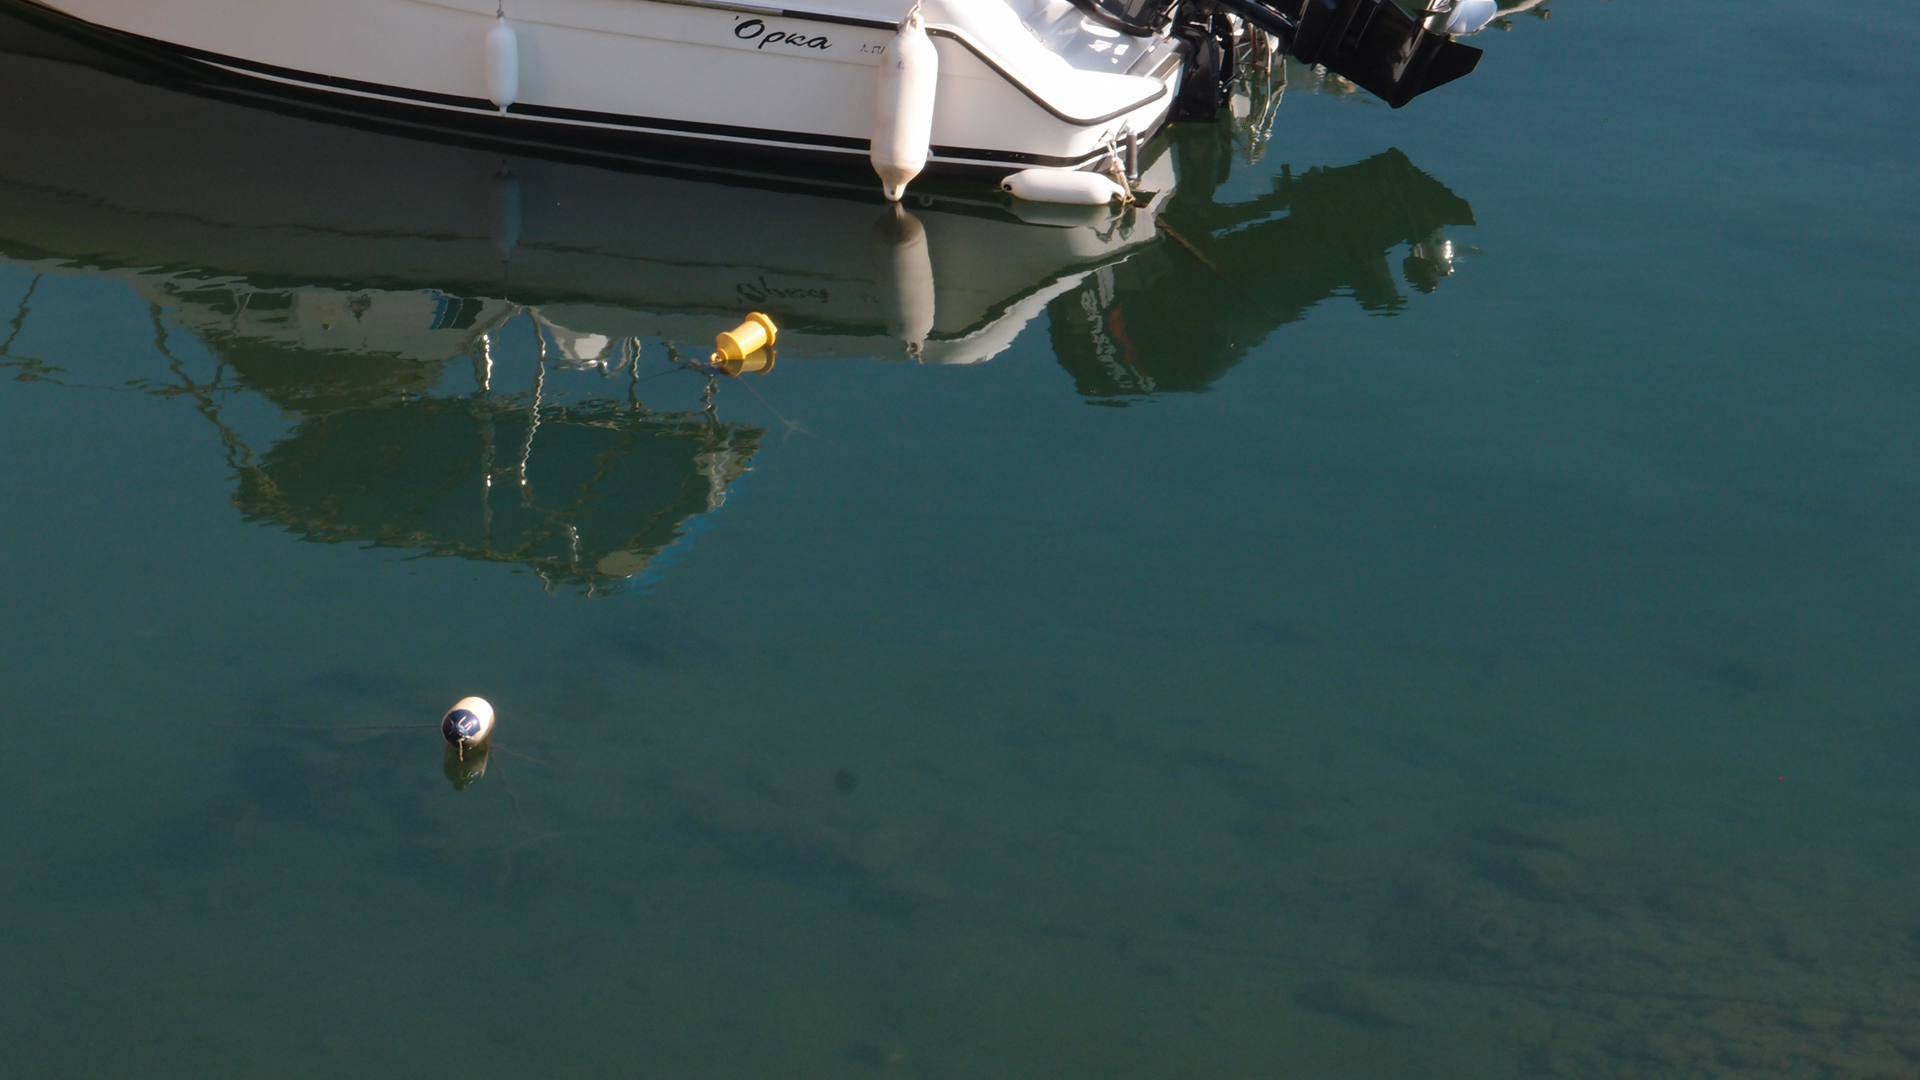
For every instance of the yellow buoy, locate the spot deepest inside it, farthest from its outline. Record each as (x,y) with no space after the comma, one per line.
(747,338)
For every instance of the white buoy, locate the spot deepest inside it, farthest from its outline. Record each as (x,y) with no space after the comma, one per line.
(906,276)
(903,106)
(503,64)
(1061,186)
(468,724)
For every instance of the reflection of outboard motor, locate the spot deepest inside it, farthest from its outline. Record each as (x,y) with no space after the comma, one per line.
(1372,43)
(1176,317)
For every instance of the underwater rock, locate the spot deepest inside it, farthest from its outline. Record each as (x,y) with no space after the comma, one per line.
(1351,1000)
(1538,875)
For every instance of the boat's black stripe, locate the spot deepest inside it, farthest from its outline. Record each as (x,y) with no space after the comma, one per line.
(691,127)
(309,78)
(642,125)
(842,20)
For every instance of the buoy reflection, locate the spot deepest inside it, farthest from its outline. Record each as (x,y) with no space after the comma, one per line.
(758,362)
(464,768)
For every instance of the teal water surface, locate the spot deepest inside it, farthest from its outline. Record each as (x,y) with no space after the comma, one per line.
(1432,596)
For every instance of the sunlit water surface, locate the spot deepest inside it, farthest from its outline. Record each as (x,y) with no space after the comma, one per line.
(1239,647)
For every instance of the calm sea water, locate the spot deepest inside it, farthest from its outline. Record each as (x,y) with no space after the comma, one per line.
(1221,643)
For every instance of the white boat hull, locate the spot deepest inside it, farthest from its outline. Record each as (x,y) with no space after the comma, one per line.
(677,69)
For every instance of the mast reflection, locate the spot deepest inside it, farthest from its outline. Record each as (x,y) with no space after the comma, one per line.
(584,495)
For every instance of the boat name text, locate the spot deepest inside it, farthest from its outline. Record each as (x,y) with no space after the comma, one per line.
(756,30)
(754,292)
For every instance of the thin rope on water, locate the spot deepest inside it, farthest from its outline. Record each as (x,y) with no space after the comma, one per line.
(500,771)
(327,727)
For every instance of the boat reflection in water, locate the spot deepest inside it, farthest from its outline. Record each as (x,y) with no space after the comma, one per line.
(608,488)
(454,335)
(1179,315)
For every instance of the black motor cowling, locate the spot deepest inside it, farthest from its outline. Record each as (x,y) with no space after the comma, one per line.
(1208,81)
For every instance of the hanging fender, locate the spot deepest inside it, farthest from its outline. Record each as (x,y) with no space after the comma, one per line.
(903,106)
(1061,186)
(503,64)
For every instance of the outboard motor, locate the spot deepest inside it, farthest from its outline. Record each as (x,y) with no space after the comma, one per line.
(1207,84)
(1372,43)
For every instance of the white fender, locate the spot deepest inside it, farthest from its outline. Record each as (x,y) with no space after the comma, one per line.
(468,723)
(906,276)
(503,64)
(1061,186)
(903,105)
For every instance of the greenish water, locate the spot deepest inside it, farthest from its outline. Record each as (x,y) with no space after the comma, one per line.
(1280,658)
